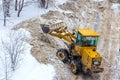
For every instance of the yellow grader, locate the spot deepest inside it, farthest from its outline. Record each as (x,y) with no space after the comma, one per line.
(81,53)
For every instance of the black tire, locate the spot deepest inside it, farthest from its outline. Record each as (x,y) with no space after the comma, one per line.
(75,67)
(63,55)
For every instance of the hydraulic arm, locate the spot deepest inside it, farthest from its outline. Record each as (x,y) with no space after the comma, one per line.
(59,30)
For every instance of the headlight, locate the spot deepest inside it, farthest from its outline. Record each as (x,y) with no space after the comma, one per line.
(96,62)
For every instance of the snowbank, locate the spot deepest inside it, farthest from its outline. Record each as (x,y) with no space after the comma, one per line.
(28,68)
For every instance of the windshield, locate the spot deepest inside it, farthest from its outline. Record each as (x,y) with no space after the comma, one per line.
(86,40)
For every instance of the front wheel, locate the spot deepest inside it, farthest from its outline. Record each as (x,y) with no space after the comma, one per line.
(63,55)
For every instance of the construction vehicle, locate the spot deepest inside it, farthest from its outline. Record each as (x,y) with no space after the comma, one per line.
(81,53)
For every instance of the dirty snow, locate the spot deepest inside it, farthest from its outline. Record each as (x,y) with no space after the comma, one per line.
(98,0)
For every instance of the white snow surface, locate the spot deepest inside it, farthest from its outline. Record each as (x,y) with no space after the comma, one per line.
(28,68)
(27,13)
(58,2)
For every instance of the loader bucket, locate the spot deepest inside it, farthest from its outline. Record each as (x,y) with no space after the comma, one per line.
(45,28)
(54,27)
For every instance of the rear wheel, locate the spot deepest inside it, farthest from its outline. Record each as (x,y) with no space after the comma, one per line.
(63,55)
(74,66)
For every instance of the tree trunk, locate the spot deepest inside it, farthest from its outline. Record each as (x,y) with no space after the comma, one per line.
(4,19)
(7,4)
(6,69)
(4,11)
(16,3)
(43,3)
(20,7)
(46,4)
(8,10)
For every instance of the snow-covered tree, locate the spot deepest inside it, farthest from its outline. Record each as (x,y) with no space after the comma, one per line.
(11,53)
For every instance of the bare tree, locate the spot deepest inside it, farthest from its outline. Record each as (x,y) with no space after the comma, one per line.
(5,67)
(14,48)
(21,3)
(6,9)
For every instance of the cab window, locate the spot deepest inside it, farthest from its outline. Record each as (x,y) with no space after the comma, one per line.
(86,40)
(89,41)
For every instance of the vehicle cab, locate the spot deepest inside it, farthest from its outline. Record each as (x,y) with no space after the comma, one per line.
(86,38)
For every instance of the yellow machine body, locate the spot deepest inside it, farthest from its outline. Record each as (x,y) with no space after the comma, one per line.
(88,53)
(90,58)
